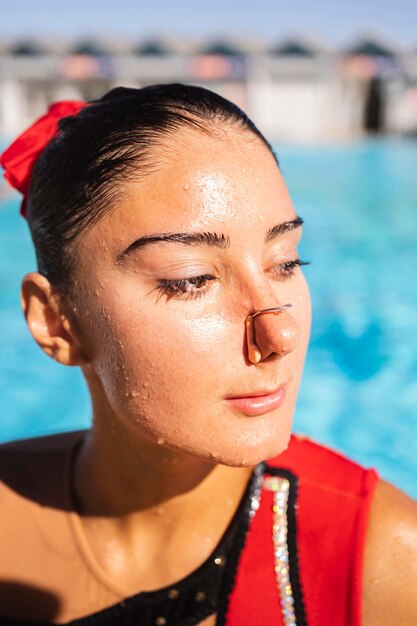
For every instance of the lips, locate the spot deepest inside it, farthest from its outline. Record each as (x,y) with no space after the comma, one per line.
(258,403)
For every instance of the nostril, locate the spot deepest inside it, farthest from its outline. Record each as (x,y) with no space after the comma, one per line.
(271,331)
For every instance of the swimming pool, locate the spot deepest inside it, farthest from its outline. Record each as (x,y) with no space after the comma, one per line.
(359,392)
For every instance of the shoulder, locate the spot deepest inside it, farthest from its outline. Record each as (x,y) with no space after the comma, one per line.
(33,500)
(32,489)
(30,468)
(382,521)
(390,571)
(35,536)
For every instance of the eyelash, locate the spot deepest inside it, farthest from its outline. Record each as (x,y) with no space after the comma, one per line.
(175,287)
(287,269)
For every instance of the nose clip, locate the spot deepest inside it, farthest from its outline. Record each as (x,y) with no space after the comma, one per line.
(254,353)
(274,309)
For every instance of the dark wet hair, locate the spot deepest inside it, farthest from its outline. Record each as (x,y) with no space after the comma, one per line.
(114,139)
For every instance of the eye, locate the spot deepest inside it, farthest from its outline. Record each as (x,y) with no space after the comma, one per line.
(287,269)
(192,287)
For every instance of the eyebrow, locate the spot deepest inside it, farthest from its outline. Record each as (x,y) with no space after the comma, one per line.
(217,240)
(285,227)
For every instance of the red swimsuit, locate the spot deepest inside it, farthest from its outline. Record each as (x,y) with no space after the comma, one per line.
(327,510)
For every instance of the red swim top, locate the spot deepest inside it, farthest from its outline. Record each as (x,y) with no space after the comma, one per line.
(303,557)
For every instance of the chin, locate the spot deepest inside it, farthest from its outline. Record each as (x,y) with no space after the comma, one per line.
(249,449)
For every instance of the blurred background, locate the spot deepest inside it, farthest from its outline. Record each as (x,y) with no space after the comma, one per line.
(333,86)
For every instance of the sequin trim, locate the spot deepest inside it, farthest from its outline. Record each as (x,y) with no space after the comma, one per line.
(281,489)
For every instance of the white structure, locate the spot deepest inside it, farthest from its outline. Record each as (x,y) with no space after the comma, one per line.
(298,91)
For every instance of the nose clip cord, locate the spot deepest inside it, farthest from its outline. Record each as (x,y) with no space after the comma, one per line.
(254,353)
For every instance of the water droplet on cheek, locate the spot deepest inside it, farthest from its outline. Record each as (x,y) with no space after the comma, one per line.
(186,186)
(160,441)
(105,313)
(141,419)
(132,394)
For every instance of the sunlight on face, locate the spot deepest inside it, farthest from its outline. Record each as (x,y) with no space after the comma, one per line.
(166,282)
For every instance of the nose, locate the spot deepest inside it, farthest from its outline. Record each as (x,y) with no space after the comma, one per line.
(271,331)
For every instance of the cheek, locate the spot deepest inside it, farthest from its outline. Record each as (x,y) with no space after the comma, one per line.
(170,360)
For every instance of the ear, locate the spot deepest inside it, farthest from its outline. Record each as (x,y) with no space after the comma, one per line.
(50,327)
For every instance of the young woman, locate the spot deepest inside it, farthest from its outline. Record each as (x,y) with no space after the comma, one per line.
(168,271)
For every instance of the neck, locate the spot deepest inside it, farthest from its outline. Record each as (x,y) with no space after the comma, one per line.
(119,475)
(158,512)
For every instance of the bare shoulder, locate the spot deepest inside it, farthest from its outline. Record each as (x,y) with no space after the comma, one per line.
(31,467)
(35,539)
(32,489)
(390,570)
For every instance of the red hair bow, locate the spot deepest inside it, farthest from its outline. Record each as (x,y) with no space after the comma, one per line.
(19,158)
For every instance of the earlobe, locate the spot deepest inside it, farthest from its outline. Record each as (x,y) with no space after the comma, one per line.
(49,326)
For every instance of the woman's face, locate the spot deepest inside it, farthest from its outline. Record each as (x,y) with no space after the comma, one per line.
(163,319)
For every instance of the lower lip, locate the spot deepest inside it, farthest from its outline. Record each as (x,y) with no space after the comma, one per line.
(258,405)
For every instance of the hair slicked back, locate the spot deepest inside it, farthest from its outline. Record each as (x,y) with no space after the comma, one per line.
(76,178)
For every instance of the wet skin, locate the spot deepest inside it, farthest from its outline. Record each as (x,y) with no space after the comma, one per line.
(165,363)
(169,455)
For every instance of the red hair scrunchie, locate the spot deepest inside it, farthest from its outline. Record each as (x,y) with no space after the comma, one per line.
(19,158)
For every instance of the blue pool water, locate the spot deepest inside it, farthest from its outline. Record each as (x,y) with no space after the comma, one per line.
(359,392)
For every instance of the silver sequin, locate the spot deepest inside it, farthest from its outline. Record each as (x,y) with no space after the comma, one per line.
(200,596)
(280,488)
